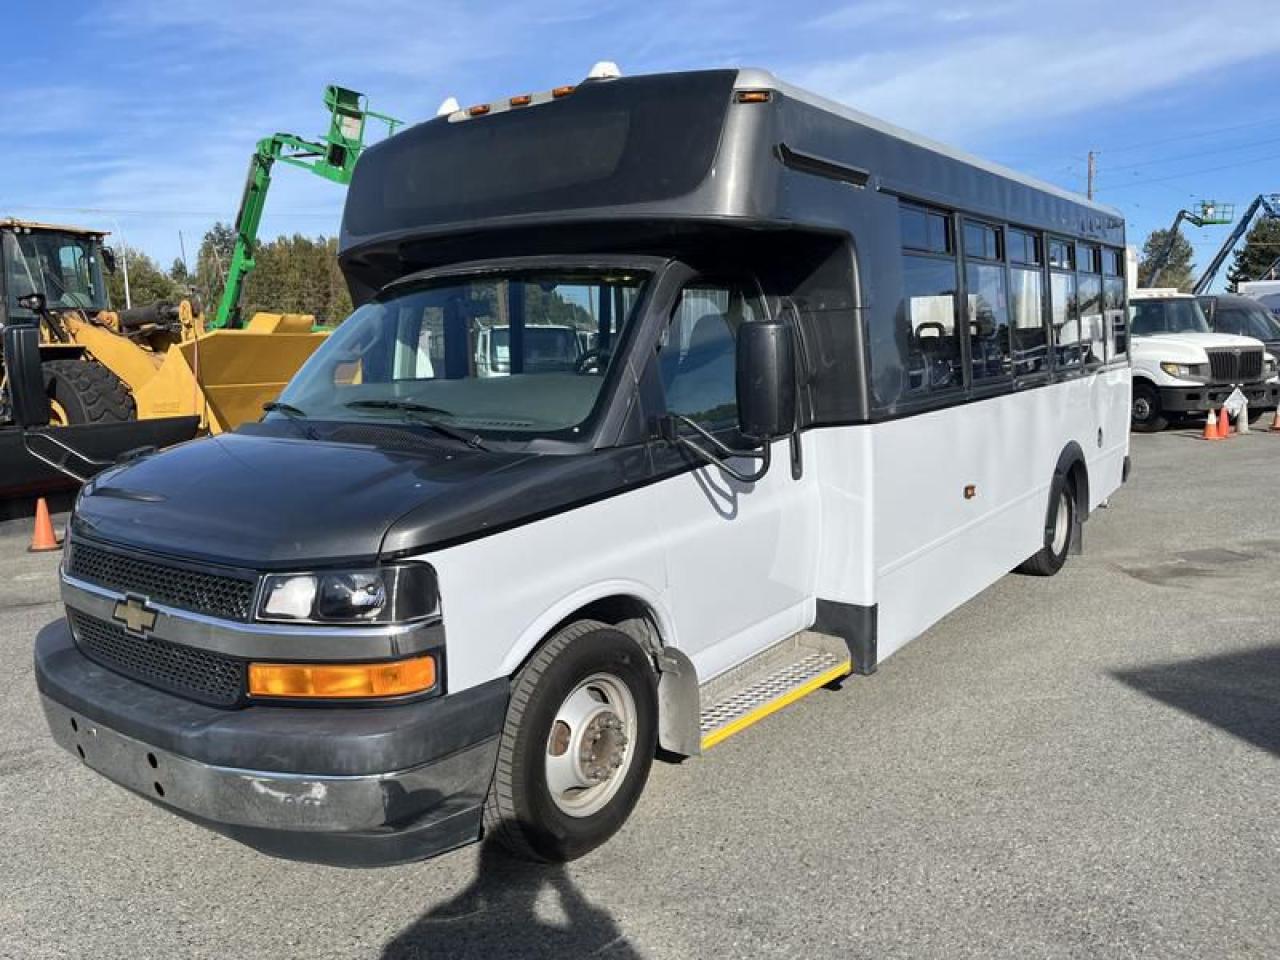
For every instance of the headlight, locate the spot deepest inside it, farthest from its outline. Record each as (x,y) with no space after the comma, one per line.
(388,594)
(1185,370)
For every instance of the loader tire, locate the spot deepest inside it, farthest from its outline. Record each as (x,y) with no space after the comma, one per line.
(84,391)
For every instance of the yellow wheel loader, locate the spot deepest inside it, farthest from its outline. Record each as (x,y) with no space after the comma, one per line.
(154,365)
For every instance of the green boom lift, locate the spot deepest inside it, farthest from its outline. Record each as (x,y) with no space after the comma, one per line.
(333,157)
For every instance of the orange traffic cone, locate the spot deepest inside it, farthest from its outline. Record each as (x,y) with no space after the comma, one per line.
(1224,424)
(43,537)
(1210,427)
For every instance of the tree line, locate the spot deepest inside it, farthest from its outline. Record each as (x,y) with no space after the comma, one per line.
(293,274)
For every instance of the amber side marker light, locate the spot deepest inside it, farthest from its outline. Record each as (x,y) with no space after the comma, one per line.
(753,96)
(559,92)
(523,100)
(479,110)
(339,680)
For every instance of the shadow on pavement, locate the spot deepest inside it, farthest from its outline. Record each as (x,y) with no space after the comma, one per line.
(497,915)
(1238,692)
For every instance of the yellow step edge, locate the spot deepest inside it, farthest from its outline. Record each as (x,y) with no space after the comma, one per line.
(773,706)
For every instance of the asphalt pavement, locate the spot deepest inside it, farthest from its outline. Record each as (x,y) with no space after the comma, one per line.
(1081,766)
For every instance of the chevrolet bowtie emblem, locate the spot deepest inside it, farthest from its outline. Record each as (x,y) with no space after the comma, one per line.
(136,616)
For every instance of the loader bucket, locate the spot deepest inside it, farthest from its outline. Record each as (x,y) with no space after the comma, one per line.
(225,376)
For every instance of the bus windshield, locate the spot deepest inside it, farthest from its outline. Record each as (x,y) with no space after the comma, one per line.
(1152,317)
(62,266)
(510,355)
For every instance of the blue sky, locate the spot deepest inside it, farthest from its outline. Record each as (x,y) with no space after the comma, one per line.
(139,117)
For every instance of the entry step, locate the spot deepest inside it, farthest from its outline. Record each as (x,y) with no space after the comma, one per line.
(769,681)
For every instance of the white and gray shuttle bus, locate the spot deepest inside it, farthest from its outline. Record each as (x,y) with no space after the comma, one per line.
(840,380)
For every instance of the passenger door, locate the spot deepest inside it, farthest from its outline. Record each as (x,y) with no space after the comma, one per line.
(740,557)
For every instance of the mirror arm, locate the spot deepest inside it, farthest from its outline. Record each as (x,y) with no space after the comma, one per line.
(718,459)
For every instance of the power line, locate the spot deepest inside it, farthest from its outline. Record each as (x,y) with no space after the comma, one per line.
(119,212)
(1191,136)
(1194,173)
(1193,156)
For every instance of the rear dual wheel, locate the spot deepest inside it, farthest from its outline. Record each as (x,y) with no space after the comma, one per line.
(579,738)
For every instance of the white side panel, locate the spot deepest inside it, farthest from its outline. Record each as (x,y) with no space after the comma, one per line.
(935,549)
(502,593)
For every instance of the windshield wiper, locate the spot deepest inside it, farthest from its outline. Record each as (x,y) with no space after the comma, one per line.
(423,412)
(296,414)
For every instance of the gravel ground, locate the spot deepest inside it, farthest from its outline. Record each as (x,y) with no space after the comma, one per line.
(1082,766)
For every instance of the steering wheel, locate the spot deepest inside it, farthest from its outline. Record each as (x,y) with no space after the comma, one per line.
(593,361)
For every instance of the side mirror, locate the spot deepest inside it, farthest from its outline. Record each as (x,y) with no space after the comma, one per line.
(766,380)
(35,302)
(26,378)
(109,259)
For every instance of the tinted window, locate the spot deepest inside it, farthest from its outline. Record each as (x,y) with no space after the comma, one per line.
(1114,316)
(697,354)
(1087,258)
(925,230)
(1066,319)
(1024,247)
(1113,263)
(927,325)
(981,240)
(1092,333)
(988,322)
(1030,340)
(1247,322)
(1061,254)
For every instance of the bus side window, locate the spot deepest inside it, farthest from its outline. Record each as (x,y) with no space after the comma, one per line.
(697,358)
(927,336)
(1113,302)
(1066,320)
(988,303)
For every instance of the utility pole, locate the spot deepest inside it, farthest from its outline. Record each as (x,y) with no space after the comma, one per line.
(1093,171)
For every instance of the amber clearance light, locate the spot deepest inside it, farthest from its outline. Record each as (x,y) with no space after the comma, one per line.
(342,680)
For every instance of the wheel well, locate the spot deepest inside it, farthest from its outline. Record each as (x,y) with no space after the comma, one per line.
(1071,465)
(629,614)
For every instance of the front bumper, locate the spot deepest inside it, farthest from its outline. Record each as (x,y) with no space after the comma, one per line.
(1200,399)
(355,786)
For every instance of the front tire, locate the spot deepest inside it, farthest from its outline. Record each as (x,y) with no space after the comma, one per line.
(1146,414)
(1058,534)
(579,739)
(84,391)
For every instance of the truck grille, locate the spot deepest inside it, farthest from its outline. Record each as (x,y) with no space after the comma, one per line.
(196,674)
(216,595)
(1234,365)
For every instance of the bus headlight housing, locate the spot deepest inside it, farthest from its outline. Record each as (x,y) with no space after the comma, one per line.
(389,594)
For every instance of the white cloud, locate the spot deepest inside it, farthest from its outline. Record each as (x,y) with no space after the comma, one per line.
(1028,73)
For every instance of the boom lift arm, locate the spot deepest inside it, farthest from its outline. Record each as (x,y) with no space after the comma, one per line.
(1210,212)
(333,157)
(1270,203)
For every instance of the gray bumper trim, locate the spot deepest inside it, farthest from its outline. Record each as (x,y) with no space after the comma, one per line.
(263,641)
(279,801)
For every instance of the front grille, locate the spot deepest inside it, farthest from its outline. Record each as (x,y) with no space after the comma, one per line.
(1232,365)
(216,595)
(196,674)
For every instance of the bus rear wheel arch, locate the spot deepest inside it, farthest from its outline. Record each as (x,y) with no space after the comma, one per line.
(1068,493)
(577,744)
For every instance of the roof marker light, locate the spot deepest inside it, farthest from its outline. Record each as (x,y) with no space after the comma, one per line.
(523,100)
(604,70)
(753,96)
(479,110)
(450,105)
(564,91)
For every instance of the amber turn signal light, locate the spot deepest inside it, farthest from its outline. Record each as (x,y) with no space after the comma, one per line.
(342,680)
